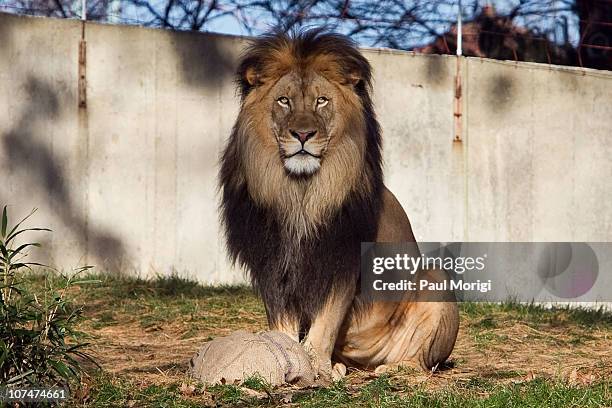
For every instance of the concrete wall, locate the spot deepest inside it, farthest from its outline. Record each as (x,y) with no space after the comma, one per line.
(130,182)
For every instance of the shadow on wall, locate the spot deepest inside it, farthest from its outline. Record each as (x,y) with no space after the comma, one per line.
(36,162)
(5,34)
(436,69)
(500,90)
(203,61)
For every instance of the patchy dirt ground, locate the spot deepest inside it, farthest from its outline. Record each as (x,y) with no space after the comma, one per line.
(516,352)
(146,335)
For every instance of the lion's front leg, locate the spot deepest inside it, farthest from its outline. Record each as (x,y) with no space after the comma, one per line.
(290,325)
(321,337)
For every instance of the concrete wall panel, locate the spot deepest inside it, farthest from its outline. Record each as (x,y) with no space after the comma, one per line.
(539,149)
(130,182)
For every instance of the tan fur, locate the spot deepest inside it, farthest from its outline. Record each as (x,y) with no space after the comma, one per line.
(303,206)
(412,333)
(387,333)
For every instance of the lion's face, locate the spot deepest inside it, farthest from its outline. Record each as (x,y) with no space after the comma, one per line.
(305,139)
(303,119)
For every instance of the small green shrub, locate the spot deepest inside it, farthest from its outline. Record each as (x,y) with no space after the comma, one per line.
(36,324)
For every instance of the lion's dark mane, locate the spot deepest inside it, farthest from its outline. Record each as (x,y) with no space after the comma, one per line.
(330,259)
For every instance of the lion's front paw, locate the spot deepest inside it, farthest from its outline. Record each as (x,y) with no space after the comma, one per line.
(338,371)
(400,365)
(321,365)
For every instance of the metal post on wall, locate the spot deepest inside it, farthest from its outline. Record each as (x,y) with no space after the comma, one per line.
(457,111)
(459,30)
(82,86)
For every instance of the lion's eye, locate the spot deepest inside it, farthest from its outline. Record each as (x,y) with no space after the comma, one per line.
(322,101)
(283,101)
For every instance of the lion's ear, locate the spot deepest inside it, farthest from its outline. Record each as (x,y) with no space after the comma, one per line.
(353,78)
(251,76)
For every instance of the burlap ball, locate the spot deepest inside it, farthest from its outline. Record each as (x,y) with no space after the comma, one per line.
(272,355)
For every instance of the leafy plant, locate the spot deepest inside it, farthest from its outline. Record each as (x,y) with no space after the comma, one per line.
(36,324)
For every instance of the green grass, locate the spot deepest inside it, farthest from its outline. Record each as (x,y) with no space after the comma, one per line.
(156,301)
(257,383)
(164,298)
(385,392)
(381,392)
(163,301)
(108,392)
(558,316)
(576,323)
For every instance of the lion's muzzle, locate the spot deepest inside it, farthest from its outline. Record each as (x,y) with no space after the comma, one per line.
(301,152)
(302,135)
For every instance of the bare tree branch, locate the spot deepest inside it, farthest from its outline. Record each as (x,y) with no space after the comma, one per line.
(404,24)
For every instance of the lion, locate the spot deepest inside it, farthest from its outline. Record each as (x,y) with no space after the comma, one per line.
(301,186)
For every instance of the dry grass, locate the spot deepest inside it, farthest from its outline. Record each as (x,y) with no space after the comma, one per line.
(515,352)
(144,333)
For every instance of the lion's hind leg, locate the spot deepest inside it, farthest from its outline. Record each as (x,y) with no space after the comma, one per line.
(419,332)
(425,338)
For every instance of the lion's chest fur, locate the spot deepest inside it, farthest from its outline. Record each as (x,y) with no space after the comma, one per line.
(300,244)
(295,273)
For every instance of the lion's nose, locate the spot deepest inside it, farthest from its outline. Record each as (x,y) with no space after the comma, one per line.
(302,135)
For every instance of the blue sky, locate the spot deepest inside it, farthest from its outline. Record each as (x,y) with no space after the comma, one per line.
(229,25)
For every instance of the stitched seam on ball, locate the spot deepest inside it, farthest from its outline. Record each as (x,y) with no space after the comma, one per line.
(282,350)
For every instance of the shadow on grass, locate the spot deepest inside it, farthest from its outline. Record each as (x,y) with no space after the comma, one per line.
(114,300)
(167,286)
(111,286)
(482,315)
